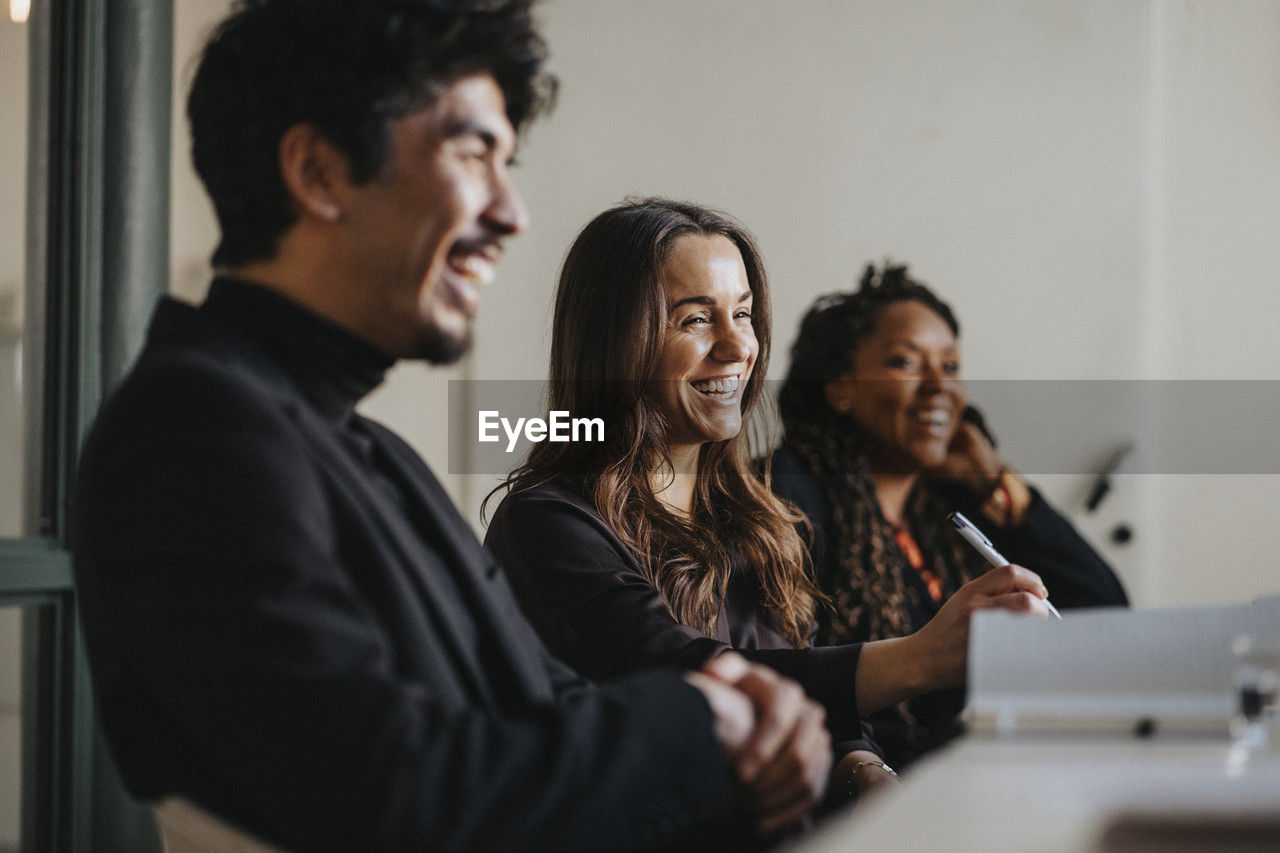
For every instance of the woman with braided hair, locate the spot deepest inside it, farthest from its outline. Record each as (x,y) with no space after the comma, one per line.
(880,447)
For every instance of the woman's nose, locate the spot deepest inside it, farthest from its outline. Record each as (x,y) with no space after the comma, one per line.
(734,344)
(936,377)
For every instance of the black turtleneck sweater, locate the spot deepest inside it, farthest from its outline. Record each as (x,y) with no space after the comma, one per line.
(289,623)
(332,367)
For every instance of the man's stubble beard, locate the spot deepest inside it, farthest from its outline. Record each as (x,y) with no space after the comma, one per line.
(441,348)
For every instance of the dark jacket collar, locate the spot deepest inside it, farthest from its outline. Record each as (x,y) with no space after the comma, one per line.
(332,367)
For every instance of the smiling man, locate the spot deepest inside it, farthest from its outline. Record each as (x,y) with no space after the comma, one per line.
(288,622)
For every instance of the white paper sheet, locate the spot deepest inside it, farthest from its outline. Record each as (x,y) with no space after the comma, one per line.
(1112,669)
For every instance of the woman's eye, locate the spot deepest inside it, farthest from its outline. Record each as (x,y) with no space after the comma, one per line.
(743,314)
(689,321)
(900,362)
(952,368)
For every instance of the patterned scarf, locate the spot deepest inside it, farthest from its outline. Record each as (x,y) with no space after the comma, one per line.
(865,572)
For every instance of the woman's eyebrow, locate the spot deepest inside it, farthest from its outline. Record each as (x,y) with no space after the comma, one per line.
(704,300)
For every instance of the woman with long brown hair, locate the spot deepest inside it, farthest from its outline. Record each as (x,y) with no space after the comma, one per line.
(661,544)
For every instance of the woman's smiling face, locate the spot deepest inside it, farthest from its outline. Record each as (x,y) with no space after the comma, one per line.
(709,344)
(904,390)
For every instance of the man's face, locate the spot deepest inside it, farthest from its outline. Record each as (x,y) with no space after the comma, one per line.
(426,232)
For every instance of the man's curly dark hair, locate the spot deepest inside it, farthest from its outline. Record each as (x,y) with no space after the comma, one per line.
(349,68)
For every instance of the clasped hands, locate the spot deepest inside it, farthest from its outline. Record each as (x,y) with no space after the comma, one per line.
(776,738)
(773,735)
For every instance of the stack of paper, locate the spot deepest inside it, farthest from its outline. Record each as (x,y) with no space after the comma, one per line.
(1144,671)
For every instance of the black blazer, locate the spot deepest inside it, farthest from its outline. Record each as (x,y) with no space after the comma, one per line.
(585,592)
(331,664)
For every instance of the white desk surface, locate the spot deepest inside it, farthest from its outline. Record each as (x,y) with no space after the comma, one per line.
(1070,793)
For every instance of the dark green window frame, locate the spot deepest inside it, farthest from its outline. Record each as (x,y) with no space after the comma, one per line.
(97,258)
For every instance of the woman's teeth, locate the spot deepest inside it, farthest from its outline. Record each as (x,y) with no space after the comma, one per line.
(941,417)
(717,386)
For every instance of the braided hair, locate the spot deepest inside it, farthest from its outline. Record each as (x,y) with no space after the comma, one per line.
(864,578)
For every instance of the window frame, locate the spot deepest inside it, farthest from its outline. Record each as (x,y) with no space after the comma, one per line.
(100,81)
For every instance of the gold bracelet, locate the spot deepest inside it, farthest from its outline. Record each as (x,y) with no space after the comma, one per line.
(858,765)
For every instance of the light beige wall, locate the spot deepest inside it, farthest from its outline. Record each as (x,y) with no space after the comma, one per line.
(13,151)
(13,172)
(193,231)
(13,175)
(1216,232)
(1054,169)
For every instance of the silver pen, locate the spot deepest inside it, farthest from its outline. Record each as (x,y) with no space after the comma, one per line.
(983,546)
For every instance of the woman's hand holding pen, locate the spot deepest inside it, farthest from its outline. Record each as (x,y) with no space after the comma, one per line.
(944,641)
(933,658)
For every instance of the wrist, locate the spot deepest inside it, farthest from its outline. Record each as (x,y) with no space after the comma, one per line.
(860,771)
(893,670)
(869,766)
(989,482)
(1008,499)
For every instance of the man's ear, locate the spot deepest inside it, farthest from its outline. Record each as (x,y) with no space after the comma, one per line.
(314,172)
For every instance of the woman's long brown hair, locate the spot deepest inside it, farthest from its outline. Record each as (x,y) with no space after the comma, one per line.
(610,315)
